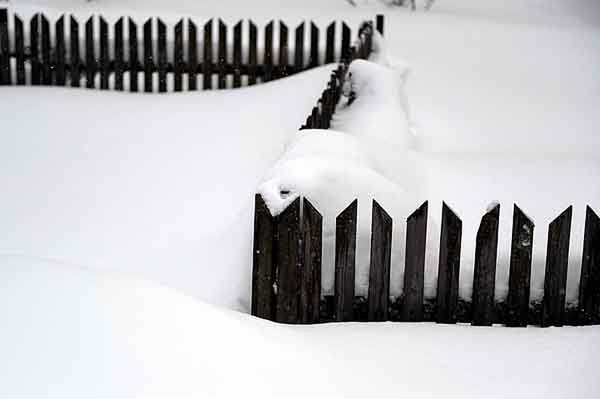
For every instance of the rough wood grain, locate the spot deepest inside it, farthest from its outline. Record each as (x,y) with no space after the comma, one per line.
(263,265)
(557,262)
(345,260)
(589,284)
(484,277)
(379,271)
(449,266)
(519,281)
(310,286)
(414,272)
(289,264)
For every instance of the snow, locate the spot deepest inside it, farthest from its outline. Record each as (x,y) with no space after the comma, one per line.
(69,332)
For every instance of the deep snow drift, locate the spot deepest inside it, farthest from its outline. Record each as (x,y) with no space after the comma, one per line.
(73,333)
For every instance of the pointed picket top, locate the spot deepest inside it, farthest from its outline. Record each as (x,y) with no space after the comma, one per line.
(312,244)
(380,263)
(589,285)
(414,271)
(449,266)
(289,263)
(345,262)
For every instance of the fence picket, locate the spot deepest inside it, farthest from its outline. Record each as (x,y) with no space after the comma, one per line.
(268,56)
(314,45)
(379,270)
(19,50)
(283,51)
(222,60)
(237,54)
(133,56)
(519,280)
(148,56)
(345,42)
(162,56)
(119,57)
(5,78)
(299,49)
(288,262)
(207,68)
(263,271)
(59,48)
(46,70)
(345,260)
(330,44)
(484,277)
(414,271)
(310,286)
(379,23)
(192,55)
(178,57)
(90,58)
(74,57)
(449,266)
(252,53)
(589,285)
(557,262)
(104,56)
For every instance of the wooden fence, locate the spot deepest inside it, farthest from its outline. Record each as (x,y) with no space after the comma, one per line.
(184,62)
(321,114)
(286,279)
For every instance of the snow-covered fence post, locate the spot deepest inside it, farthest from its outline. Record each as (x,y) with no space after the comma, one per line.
(133,56)
(148,56)
(519,280)
(345,260)
(449,266)
(263,265)
(414,271)
(557,262)
(90,58)
(222,56)
(268,55)
(484,277)
(207,57)
(20,50)
(379,270)
(4,48)
(589,286)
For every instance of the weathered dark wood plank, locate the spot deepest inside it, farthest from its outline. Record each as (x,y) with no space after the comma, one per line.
(207,58)
(192,55)
(90,57)
(263,266)
(268,55)
(379,271)
(310,286)
(133,56)
(379,23)
(46,62)
(178,57)
(283,51)
(60,52)
(345,42)
(222,55)
(589,283)
(237,54)
(119,55)
(148,56)
(162,56)
(449,266)
(345,261)
(557,263)
(104,56)
(314,46)
(34,45)
(519,280)
(5,75)
(74,57)
(288,264)
(19,50)
(252,53)
(484,277)
(414,270)
(299,48)
(330,44)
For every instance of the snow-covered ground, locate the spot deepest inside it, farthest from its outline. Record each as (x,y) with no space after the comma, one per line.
(470,103)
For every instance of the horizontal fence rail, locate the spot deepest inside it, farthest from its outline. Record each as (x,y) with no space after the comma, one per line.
(286,278)
(150,57)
